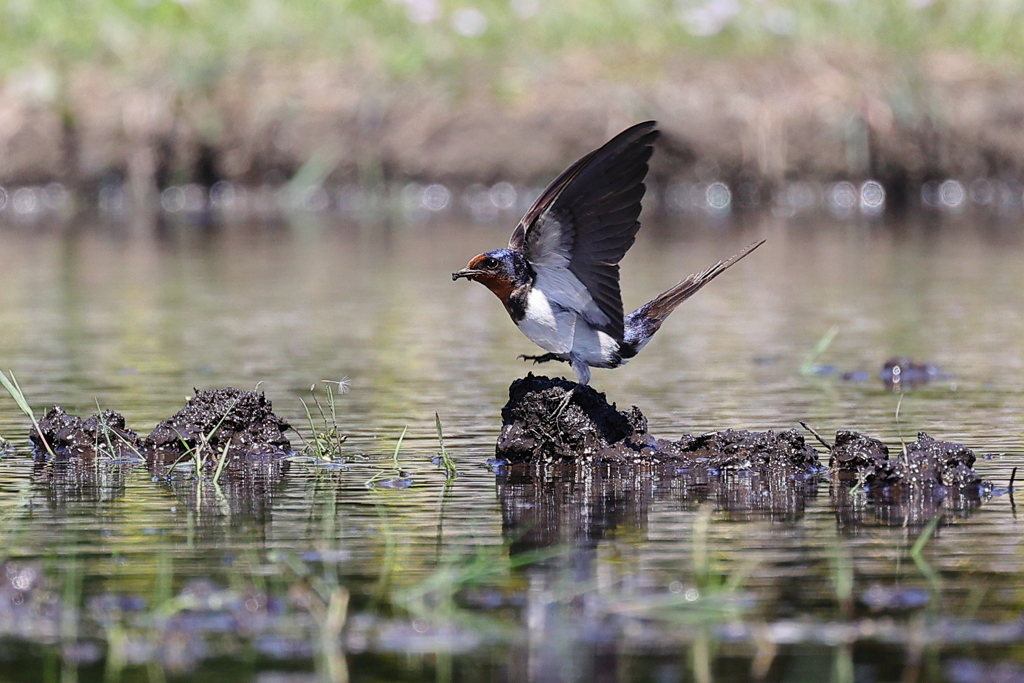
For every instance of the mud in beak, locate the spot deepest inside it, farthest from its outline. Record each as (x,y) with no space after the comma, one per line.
(467,273)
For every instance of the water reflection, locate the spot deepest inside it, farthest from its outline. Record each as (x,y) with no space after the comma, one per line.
(547,504)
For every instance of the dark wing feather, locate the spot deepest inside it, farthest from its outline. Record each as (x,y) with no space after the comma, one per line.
(594,204)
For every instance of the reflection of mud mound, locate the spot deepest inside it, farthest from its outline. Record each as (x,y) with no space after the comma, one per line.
(70,436)
(544,504)
(246,487)
(69,481)
(926,478)
(590,429)
(241,420)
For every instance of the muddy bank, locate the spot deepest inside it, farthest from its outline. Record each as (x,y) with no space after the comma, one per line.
(822,115)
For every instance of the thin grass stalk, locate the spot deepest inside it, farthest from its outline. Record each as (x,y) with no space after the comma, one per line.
(449,465)
(807,367)
(220,463)
(14,389)
(312,430)
(398,447)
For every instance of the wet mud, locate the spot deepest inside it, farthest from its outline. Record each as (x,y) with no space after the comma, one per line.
(241,422)
(589,445)
(925,478)
(70,436)
(538,425)
(898,373)
(856,458)
(233,435)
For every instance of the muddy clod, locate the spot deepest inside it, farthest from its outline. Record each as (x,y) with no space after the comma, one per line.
(590,428)
(925,462)
(585,425)
(70,436)
(743,450)
(243,421)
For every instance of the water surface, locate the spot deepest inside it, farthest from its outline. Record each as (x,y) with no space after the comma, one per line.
(504,574)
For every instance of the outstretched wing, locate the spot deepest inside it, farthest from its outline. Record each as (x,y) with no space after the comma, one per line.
(581,226)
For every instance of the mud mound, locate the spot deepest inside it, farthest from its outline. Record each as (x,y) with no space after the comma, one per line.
(243,421)
(71,436)
(742,450)
(589,428)
(926,479)
(924,463)
(586,425)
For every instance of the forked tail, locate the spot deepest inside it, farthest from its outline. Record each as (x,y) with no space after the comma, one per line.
(642,323)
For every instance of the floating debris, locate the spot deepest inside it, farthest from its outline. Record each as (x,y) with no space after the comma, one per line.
(900,371)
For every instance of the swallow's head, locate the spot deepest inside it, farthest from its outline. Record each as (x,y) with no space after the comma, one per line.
(501,271)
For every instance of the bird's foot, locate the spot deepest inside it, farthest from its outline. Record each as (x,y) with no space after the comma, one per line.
(545,358)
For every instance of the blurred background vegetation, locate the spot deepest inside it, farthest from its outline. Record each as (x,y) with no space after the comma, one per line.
(194,42)
(161,91)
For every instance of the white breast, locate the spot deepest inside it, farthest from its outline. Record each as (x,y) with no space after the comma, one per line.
(548,326)
(557,329)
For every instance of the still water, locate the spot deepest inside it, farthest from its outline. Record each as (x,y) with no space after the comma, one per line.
(114,573)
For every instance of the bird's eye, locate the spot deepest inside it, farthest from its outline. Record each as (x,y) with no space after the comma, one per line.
(490,263)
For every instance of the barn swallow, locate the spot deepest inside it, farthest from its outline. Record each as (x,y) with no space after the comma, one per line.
(559,276)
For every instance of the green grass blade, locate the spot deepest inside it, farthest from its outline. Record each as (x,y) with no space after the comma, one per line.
(398,447)
(446,460)
(14,389)
(807,367)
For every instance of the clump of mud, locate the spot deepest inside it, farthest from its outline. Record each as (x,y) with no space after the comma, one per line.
(241,421)
(70,436)
(586,425)
(923,463)
(537,428)
(902,371)
(925,479)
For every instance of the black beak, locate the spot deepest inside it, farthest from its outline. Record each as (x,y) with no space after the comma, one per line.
(465,272)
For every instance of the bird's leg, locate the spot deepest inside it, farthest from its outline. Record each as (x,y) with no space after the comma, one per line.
(545,358)
(582,371)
